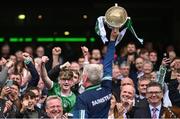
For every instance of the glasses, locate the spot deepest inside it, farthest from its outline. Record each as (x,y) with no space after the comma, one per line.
(155,92)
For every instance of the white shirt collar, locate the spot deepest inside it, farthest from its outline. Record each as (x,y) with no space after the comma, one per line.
(158,107)
(141,97)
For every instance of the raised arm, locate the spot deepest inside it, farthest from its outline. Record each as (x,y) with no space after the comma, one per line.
(54,73)
(162,70)
(56,51)
(108,60)
(47,81)
(85,52)
(34,78)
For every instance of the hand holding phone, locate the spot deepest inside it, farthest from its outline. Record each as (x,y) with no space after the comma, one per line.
(9,83)
(166,55)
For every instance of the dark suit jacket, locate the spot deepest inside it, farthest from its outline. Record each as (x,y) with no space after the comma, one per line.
(144,112)
(174,93)
(140,102)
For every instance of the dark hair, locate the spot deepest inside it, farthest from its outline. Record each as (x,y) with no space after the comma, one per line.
(153,51)
(144,78)
(131,43)
(32,88)
(143,51)
(16,83)
(28,94)
(17,73)
(155,84)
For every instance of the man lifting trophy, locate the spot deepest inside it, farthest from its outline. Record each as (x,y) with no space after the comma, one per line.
(115,17)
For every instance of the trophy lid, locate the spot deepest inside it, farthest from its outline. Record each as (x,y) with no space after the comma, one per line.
(116,16)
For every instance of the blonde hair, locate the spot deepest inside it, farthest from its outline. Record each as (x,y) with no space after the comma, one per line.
(52,97)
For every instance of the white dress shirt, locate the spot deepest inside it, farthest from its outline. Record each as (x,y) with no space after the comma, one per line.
(157,112)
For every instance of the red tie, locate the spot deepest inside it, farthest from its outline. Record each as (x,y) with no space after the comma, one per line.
(154,116)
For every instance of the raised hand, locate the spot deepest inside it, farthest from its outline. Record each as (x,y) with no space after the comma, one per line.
(5,91)
(25,55)
(84,50)
(166,61)
(66,65)
(37,61)
(44,59)
(3,61)
(9,64)
(114,34)
(56,51)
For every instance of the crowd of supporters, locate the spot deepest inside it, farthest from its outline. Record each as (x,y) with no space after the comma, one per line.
(102,83)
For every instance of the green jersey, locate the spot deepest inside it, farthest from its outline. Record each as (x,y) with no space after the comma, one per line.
(67,101)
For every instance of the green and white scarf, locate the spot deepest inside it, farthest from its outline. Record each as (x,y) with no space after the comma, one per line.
(100,30)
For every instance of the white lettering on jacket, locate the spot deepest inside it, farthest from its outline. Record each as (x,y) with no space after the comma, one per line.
(101,100)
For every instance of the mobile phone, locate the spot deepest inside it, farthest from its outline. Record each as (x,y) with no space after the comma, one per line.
(166,55)
(9,83)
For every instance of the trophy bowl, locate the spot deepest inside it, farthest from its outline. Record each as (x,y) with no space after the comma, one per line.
(116,16)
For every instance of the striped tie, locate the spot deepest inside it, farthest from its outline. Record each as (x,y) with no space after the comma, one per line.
(154,116)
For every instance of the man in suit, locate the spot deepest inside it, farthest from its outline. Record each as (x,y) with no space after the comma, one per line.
(154,108)
(127,98)
(140,100)
(142,87)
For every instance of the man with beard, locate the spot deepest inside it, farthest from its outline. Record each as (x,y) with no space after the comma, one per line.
(131,51)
